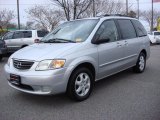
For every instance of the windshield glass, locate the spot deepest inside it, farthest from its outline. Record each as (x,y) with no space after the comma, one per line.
(74,31)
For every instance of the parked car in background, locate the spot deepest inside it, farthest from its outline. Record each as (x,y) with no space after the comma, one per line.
(154,37)
(3,49)
(22,38)
(78,53)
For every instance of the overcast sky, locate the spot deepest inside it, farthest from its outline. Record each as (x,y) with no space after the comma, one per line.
(25,4)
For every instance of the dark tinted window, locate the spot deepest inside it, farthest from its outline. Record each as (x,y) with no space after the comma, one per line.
(8,36)
(108,30)
(18,34)
(27,34)
(139,28)
(42,33)
(156,33)
(127,30)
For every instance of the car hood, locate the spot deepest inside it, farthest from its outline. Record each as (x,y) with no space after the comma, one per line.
(43,51)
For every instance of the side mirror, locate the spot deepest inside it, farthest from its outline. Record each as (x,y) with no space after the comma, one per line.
(103,40)
(100,41)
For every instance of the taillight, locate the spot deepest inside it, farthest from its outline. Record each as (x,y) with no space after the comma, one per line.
(36,41)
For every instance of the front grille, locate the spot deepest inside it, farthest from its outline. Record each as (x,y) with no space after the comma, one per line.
(22,65)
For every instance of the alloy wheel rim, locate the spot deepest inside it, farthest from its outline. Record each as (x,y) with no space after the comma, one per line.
(82,84)
(141,63)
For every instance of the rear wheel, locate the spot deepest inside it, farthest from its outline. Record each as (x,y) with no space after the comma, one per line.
(141,63)
(80,84)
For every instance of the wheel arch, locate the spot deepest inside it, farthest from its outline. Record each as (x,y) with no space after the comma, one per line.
(24,45)
(144,51)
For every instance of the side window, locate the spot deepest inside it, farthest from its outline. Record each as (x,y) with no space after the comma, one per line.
(18,34)
(127,30)
(108,31)
(140,29)
(156,33)
(8,36)
(42,33)
(27,34)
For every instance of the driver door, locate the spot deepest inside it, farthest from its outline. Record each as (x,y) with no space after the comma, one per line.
(111,54)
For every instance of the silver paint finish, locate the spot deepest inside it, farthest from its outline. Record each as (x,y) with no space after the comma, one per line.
(107,59)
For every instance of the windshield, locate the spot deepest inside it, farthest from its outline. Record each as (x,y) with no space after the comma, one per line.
(74,31)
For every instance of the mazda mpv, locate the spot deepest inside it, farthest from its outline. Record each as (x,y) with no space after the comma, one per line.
(75,55)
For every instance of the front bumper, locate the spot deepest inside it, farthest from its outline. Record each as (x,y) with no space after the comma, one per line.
(40,82)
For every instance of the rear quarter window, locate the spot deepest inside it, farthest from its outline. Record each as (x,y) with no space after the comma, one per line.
(127,29)
(156,33)
(139,28)
(42,33)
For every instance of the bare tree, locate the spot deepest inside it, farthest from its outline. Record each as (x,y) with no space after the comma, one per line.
(6,16)
(45,17)
(147,16)
(102,7)
(73,9)
(132,14)
(29,25)
(110,7)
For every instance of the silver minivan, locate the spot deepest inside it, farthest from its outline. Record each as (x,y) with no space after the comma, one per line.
(18,39)
(76,54)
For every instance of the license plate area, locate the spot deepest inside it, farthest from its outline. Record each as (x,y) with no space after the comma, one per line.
(15,79)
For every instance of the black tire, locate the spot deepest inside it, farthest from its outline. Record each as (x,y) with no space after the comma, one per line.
(71,88)
(138,68)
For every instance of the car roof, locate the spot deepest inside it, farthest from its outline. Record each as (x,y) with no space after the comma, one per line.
(108,17)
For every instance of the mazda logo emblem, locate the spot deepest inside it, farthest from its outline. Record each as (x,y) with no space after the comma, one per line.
(19,65)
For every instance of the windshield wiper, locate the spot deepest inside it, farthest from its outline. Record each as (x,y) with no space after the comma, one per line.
(66,40)
(58,40)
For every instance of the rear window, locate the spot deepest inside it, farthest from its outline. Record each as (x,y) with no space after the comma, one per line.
(156,33)
(127,30)
(42,33)
(139,28)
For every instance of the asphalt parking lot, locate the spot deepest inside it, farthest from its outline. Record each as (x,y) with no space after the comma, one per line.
(124,96)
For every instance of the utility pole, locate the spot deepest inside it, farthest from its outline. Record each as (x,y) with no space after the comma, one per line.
(18,14)
(138,8)
(126,7)
(152,18)
(94,14)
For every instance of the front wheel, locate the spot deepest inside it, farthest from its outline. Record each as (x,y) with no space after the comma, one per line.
(141,63)
(80,84)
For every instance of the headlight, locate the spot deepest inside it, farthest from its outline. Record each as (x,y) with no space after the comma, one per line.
(50,64)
